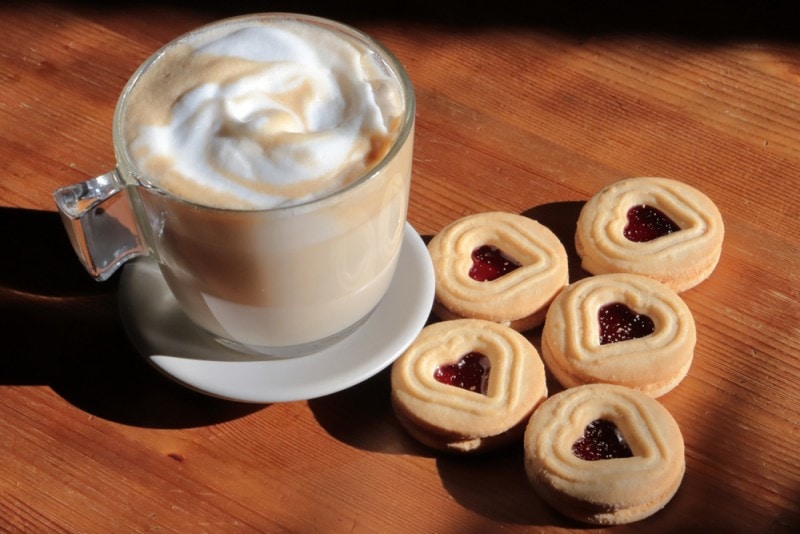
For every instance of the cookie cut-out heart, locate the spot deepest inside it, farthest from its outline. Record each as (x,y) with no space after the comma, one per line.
(646,223)
(471,372)
(618,487)
(497,266)
(620,323)
(622,329)
(490,263)
(601,440)
(467,385)
(654,227)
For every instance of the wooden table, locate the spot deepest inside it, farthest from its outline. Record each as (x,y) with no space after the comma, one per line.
(529,111)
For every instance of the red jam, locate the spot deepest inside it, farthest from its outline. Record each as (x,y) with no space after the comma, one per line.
(471,372)
(489,263)
(620,323)
(601,440)
(646,223)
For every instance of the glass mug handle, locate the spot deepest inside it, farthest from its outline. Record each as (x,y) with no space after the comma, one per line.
(99,218)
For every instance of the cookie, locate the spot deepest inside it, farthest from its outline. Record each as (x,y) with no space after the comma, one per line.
(604,454)
(497,266)
(621,329)
(655,227)
(467,385)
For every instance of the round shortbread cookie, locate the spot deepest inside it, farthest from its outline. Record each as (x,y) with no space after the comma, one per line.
(467,385)
(604,454)
(656,227)
(497,266)
(621,329)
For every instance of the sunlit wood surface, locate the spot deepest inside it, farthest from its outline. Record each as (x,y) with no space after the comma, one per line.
(528,110)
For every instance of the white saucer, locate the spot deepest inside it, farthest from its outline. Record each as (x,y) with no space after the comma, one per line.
(163,334)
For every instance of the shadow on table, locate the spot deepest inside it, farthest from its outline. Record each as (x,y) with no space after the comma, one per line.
(62,329)
(493,485)
(713,20)
(562,218)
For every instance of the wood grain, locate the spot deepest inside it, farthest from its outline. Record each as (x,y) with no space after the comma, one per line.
(529,110)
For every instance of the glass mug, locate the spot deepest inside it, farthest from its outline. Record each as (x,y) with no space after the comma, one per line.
(284,266)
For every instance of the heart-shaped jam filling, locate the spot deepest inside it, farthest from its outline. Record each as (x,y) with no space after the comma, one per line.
(489,263)
(646,223)
(601,440)
(620,323)
(471,372)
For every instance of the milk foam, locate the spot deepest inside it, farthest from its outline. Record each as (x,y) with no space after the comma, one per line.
(262,116)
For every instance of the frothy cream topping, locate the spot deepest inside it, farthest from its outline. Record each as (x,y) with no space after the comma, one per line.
(262,116)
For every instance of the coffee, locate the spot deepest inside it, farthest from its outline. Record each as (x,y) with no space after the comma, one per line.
(264,163)
(254,116)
